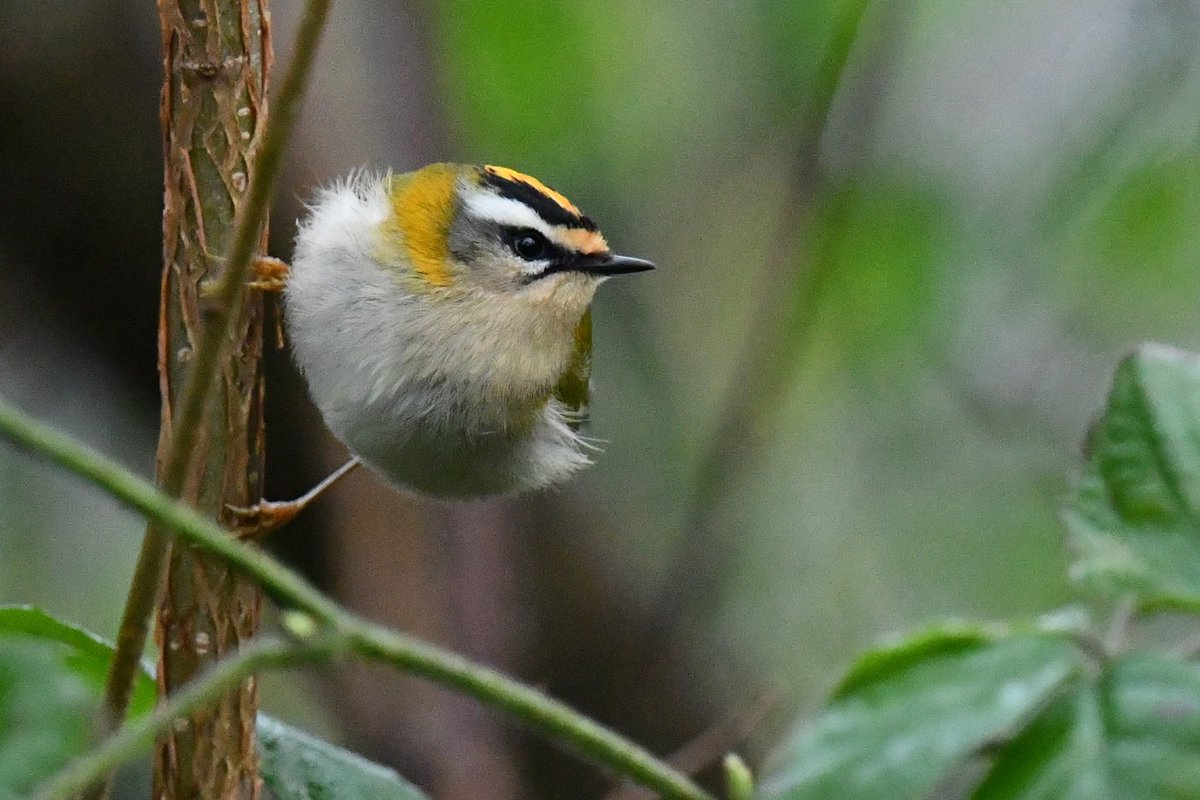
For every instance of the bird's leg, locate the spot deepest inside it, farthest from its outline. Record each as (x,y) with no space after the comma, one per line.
(267,516)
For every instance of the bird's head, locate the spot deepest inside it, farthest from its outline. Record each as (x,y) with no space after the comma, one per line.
(496,231)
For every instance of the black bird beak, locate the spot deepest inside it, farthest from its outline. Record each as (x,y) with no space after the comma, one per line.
(609,264)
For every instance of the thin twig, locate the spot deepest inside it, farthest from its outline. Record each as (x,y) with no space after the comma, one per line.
(792,282)
(711,745)
(535,710)
(539,712)
(147,578)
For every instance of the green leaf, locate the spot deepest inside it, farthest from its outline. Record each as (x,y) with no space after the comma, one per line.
(1057,757)
(911,716)
(1133,518)
(87,654)
(992,714)
(296,766)
(1130,733)
(888,660)
(51,679)
(1155,727)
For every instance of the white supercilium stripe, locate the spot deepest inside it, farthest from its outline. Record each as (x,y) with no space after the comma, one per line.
(486,205)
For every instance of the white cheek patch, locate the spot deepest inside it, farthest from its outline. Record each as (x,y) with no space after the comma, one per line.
(534,268)
(491,207)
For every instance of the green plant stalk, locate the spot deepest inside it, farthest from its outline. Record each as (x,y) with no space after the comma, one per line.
(537,711)
(138,736)
(778,329)
(231,294)
(160,507)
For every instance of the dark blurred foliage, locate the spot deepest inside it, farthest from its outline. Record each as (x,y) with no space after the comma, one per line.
(1005,200)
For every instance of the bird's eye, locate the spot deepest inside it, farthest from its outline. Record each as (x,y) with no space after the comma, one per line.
(529,245)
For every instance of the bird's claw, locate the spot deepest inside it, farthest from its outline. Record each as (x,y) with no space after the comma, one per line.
(270,273)
(264,517)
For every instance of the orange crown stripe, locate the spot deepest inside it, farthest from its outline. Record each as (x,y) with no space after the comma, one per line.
(513,175)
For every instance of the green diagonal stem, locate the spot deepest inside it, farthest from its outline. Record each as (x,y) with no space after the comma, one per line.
(338,630)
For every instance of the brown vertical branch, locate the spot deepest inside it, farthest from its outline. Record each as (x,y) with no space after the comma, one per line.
(214,111)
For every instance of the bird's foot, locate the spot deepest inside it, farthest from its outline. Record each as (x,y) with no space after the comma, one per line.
(270,274)
(267,516)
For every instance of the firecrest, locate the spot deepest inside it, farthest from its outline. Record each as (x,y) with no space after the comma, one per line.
(441,320)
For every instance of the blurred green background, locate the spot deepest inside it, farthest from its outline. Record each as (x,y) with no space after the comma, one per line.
(902,320)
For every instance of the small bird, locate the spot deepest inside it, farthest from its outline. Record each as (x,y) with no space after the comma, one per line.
(441,319)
